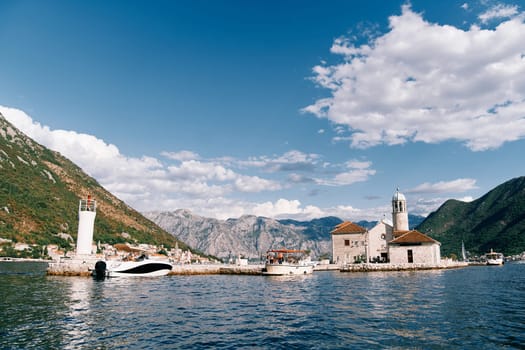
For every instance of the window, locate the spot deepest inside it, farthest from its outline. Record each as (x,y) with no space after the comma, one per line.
(347,242)
(410,256)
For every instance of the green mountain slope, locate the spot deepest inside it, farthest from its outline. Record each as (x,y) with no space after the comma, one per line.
(494,221)
(40,192)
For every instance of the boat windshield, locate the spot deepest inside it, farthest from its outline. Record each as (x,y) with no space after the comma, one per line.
(280,256)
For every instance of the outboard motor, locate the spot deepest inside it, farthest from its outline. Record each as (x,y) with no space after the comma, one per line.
(100,270)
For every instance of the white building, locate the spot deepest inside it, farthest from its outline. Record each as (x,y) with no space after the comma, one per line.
(391,242)
(414,247)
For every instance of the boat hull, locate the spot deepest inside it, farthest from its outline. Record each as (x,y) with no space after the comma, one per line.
(145,268)
(281,270)
(495,262)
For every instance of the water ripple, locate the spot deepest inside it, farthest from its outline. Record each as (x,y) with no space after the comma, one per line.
(472,308)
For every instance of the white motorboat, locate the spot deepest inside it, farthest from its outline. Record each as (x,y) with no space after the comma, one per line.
(142,266)
(494,258)
(287,262)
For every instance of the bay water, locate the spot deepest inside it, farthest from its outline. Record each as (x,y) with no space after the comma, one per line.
(469,308)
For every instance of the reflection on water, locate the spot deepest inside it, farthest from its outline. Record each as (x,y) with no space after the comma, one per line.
(461,309)
(76,321)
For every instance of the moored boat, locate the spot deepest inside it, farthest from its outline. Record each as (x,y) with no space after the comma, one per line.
(142,266)
(287,262)
(494,258)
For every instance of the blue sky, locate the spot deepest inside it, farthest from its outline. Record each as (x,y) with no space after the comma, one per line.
(287,109)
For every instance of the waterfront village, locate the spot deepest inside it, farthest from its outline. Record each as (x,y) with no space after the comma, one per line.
(389,246)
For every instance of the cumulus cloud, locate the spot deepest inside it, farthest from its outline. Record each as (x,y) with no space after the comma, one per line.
(454,186)
(355,171)
(286,208)
(430,83)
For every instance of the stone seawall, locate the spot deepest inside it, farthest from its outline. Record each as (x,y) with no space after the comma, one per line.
(71,267)
(401,267)
(83,267)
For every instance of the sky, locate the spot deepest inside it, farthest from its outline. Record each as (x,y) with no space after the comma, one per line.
(284,109)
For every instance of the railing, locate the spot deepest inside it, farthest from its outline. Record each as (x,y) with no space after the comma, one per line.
(88,205)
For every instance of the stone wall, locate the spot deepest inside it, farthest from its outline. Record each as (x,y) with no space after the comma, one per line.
(347,253)
(447,264)
(422,254)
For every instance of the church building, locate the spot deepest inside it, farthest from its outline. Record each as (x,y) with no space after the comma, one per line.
(387,242)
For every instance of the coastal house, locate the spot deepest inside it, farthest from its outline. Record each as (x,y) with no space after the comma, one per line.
(387,242)
(348,243)
(414,247)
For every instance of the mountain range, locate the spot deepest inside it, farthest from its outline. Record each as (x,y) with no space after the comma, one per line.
(251,235)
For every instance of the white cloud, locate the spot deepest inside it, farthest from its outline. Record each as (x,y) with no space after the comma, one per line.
(181,155)
(245,183)
(499,11)
(428,82)
(193,169)
(290,161)
(355,171)
(286,209)
(465,6)
(454,186)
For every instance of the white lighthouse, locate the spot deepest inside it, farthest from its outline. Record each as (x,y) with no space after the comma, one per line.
(87,210)
(399,212)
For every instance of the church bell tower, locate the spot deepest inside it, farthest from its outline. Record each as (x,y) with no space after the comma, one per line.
(399,211)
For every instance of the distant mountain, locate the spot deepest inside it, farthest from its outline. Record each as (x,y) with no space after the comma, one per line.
(249,235)
(494,221)
(415,220)
(39,195)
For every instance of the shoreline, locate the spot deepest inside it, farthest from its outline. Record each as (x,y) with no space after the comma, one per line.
(8,259)
(82,267)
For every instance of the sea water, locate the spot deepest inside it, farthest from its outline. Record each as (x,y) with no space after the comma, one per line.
(468,308)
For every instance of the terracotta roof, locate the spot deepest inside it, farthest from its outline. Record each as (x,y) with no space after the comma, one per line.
(347,227)
(412,237)
(399,233)
(126,248)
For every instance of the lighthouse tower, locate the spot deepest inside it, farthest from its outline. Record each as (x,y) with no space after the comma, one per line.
(399,212)
(87,210)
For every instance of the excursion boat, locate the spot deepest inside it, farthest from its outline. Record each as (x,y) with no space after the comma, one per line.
(281,262)
(494,258)
(142,266)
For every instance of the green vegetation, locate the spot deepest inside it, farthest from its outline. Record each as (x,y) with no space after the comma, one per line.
(39,196)
(37,252)
(494,221)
